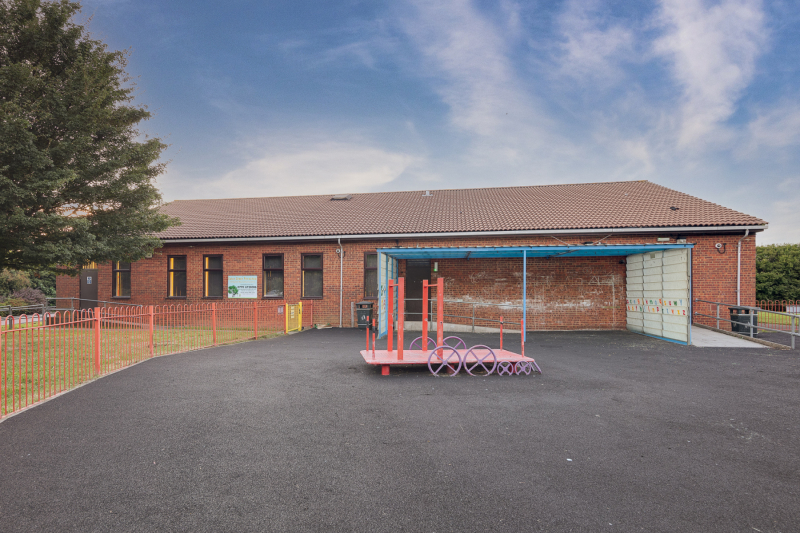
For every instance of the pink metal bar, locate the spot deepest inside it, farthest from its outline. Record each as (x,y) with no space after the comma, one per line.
(401,301)
(424,314)
(390,316)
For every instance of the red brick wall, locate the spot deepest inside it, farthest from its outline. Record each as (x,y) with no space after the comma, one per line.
(563,293)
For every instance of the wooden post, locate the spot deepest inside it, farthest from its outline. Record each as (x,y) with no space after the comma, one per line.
(214,321)
(152,324)
(401,301)
(424,315)
(97,340)
(390,316)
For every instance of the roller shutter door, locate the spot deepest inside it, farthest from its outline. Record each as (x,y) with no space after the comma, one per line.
(657,292)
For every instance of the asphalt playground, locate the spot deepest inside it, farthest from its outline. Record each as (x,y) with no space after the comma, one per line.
(621,433)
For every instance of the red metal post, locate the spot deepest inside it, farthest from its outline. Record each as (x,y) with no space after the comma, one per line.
(501,332)
(152,323)
(373,338)
(439,312)
(214,322)
(390,316)
(367,328)
(424,315)
(97,340)
(255,320)
(401,304)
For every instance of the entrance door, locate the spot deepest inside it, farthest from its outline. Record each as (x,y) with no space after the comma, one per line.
(657,287)
(416,271)
(88,288)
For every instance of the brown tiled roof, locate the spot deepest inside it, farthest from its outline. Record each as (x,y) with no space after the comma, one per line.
(628,204)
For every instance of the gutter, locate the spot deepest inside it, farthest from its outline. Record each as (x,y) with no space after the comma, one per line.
(372,236)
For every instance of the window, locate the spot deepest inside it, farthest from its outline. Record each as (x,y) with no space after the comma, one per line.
(312,275)
(273,276)
(370,275)
(176,276)
(121,279)
(212,276)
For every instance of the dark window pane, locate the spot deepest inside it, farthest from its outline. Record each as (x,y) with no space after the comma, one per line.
(177,263)
(123,266)
(312,283)
(214,262)
(214,281)
(371,261)
(122,281)
(312,261)
(178,287)
(273,284)
(273,262)
(371,284)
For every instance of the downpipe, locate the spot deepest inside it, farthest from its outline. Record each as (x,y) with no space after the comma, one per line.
(340,253)
(739,269)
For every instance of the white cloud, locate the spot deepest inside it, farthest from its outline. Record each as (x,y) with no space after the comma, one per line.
(592,47)
(327,167)
(776,128)
(712,51)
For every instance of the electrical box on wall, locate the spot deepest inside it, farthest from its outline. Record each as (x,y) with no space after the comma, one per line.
(436,266)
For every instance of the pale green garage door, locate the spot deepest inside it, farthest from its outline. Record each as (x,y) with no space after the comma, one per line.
(658,288)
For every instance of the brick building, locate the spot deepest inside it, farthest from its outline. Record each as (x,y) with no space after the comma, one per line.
(596,256)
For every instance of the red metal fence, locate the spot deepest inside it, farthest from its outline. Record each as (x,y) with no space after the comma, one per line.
(44,356)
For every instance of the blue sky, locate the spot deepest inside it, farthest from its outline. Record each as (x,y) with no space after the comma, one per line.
(266,98)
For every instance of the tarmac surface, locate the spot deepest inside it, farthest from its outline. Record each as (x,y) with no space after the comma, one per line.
(621,433)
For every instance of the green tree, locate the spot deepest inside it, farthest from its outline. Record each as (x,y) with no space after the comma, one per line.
(77,183)
(778,272)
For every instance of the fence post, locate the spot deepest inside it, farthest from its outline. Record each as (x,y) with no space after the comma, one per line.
(97,340)
(152,324)
(791,330)
(751,323)
(717,316)
(214,321)
(255,320)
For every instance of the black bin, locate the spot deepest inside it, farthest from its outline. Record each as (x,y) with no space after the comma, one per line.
(364,314)
(740,320)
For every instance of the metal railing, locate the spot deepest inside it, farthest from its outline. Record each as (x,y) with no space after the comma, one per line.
(41,356)
(792,319)
(471,317)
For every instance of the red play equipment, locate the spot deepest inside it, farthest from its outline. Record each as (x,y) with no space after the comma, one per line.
(444,355)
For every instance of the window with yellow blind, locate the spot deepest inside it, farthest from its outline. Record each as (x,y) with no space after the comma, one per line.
(176,276)
(121,279)
(212,276)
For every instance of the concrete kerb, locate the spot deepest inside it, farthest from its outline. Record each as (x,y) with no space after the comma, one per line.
(770,344)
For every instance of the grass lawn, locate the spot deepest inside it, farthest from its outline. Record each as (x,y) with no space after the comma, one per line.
(765,318)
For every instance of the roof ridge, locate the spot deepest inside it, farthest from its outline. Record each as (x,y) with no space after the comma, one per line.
(505,187)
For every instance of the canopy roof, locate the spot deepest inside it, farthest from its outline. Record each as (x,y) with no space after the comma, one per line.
(587,250)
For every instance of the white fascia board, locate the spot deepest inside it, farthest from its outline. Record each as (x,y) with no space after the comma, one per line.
(373,236)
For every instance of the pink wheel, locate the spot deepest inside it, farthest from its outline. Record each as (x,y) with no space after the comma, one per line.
(455,342)
(505,368)
(418,343)
(483,356)
(523,367)
(448,363)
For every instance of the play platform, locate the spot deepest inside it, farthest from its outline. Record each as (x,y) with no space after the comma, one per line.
(444,356)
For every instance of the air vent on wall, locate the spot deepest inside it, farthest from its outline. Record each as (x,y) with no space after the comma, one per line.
(341,196)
